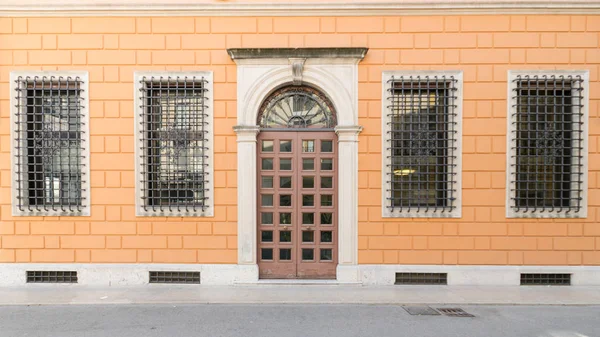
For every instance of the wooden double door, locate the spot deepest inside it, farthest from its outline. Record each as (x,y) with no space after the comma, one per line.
(297,204)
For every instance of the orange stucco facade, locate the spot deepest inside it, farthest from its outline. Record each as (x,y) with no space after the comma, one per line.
(484,47)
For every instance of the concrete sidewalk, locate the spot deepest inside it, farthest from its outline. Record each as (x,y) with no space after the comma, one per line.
(46,294)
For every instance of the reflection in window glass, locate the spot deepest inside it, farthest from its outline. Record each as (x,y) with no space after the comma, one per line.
(285,146)
(266,182)
(285,182)
(326,164)
(326,200)
(267,146)
(285,219)
(326,146)
(326,218)
(266,254)
(266,218)
(308,182)
(266,200)
(308,218)
(267,163)
(308,146)
(308,254)
(285,164)
(285,254)
(308,164)
(326,182)
(308,236)
(326,254)
(285,236)
(266,236)
(285,200)
(308,200)
(326,236)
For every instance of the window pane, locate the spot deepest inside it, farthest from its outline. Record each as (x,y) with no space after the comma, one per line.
(266,200)
(285,146)
(285,254)
(285,182)
(326,254)
(285,164)
(266,218)
(285,236)
(308,218)
(308,254)
(266,236)
(326,200)
(267,163)
(326,146)
(308,164)
(326,182)
(174,142)
(308,236)
(546,134)
(326,164)
(266,182)
(266,253)
(326,236)
(308,182)
(285,218)
(308,200)
(422,126)
(267,146)
(326,218)
(49,133)
(285,200)
(308,146)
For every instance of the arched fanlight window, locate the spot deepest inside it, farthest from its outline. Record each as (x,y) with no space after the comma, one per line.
(297,107)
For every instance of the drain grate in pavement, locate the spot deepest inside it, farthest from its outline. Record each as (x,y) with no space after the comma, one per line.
(421,311)
(454,312)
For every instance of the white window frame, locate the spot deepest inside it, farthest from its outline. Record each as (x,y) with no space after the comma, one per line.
(15,114)
(386,160)
(208,210)
(511,148)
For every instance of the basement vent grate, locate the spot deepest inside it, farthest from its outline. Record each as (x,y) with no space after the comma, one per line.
(181,277)
(538,279)
(454,312)
(51,276)
(421,278)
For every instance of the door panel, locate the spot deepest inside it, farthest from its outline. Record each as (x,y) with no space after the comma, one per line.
(297,204)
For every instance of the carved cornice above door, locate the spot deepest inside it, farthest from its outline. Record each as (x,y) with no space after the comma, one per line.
(296,53)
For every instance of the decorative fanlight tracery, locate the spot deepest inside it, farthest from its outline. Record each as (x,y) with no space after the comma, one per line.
(297,107)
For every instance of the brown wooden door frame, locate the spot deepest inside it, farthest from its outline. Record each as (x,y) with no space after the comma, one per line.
(320,266)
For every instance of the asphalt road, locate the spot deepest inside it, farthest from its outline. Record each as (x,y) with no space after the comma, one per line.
(293,320)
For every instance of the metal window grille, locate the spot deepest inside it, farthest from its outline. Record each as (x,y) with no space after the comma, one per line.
(421,278)
(174,131)
(547,129)
(421,144)
(49,144)
(51,276)
(545,279)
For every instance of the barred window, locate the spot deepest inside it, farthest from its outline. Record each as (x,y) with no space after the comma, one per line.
(422,159)
(547,145)
(174,141)
(50,152)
